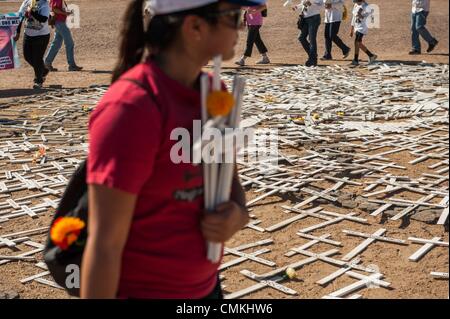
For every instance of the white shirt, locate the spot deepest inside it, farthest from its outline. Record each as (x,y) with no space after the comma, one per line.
(360,15)
(33,27)
(312,10)
(335,13)
(420,5)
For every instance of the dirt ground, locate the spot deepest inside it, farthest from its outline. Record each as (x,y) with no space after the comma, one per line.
(96,42)
(96,50)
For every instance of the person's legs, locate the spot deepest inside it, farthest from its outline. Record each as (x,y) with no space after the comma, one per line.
(68,42)
(303,37)
(251,37)
(27,49)
(262,49)
(335,26)
(421,23)
(54,46)
(328,41)
(39,46)
(415,34)
(314,24)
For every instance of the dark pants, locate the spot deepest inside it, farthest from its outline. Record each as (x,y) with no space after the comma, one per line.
(418,27)
(34,50)
(309,32)
(216,293)
(331,35)
(254,37)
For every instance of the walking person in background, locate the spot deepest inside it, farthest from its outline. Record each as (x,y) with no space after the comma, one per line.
(310,22)
(361,12)
(35,15)
(254,21)
(62,33)
(420,12)
(334,10)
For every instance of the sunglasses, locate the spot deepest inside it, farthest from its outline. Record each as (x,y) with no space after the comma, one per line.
(235,17)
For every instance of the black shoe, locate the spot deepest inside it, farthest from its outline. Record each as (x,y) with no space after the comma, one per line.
(326,58)
(51,68)
(37,86)
(346,53)
(414,52)
(432,46)
(310,63)
(75,68)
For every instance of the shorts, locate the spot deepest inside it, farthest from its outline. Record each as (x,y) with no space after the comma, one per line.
(359,36)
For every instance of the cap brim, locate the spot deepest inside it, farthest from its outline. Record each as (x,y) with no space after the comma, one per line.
(247,3)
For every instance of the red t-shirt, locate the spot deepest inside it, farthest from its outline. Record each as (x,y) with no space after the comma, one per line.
(60,4)
(165,254)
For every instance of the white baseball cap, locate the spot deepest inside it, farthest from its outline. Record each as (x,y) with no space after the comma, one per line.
(158,7)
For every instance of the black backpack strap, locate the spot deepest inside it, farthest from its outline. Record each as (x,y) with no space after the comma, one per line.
(142,85)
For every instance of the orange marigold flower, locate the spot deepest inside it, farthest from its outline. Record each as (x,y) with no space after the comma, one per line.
(219,103)
(65,231)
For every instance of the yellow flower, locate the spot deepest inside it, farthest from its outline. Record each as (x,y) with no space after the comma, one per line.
(65,231)
(290,273)
(316,116)
(219,103)
(340,113)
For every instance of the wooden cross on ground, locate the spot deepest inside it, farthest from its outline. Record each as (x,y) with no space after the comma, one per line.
(364,282)
(338,219)
(314,240)
(428,245)
(250,256)
(370,239)
(301,214)
(272,278)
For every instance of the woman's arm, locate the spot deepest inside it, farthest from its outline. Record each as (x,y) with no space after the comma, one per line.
(110,215)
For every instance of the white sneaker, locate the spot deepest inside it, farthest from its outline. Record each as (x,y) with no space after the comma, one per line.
(373,58)
(265,60)
(240,62)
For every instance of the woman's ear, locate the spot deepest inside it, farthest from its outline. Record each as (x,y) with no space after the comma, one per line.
(193,28)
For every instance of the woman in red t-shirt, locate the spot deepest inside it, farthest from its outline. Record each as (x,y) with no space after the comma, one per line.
(147,228)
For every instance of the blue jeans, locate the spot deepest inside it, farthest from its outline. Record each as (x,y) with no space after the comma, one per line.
(418,22)
(62,33)
(309,32)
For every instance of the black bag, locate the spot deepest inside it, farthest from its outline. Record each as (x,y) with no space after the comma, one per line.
(264,13)
(74,203)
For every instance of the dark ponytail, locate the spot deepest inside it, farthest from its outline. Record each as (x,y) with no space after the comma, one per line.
(133,41)
(162,31)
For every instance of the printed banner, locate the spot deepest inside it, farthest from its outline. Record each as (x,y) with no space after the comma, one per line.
(9,57)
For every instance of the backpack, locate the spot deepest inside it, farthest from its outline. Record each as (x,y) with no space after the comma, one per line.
(63,256)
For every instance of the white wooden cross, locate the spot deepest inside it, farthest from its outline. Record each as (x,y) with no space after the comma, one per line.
(444,214)
(439,275)
(428,245)
(339,218)
(370,239)
(301,214)
(315,240)
(251,256)
(335,187)
(272,278)
(364,281)
(421,201)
